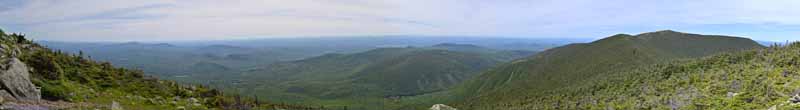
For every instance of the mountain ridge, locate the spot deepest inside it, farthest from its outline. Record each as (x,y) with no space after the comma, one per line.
(372,75)
(571,64)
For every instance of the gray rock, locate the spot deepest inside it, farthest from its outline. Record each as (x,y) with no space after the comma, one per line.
(193,100)
(8,51)
(24,107)
(442,107)
(15,80)
(795,99)
(5,95)
(115,106)
(732,94)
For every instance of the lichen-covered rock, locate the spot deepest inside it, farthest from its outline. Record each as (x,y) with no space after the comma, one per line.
(442,107)
(15,80)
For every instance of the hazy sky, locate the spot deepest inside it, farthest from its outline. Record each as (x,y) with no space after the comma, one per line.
(160,20)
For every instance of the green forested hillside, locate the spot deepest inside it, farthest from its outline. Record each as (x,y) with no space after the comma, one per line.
(86,84)
(422,71)
(576,64)
(366,79)
(755,79)
(502,55)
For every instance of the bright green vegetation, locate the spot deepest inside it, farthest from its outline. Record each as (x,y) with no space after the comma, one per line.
(755,79)
(73,78)
(525,82)
(371,79)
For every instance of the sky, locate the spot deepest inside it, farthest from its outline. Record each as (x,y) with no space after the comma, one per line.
(171,20)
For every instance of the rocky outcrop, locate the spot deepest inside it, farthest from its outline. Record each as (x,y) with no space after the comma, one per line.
(442,107)
(15,81)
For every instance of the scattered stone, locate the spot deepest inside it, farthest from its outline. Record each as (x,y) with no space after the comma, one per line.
(786,73)
(115,106)
(25,107)
(732,94)
(795,99)
(193,100)
(736,85)
(442,107)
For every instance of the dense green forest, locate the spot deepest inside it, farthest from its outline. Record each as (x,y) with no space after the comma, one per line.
(370,80)
(754,79)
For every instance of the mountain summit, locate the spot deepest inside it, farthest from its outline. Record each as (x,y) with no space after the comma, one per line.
(573,64)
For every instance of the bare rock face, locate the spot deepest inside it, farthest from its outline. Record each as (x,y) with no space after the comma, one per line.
(442,107)
(15,81)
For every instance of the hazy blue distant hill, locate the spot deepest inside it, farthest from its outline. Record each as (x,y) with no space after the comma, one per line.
(502,55)
(167,60)
(345,44)
(770,43)
(182,58)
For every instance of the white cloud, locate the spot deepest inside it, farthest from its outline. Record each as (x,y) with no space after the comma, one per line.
(216,19)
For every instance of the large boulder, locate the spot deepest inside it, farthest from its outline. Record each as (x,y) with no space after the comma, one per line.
(15,81)
(442,107)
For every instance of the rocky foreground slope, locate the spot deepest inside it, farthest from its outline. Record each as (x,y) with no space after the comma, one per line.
(33,77)
(15,84)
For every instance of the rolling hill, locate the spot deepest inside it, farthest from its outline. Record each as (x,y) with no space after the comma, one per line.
(371,75)
(576,64)
(188,61)
(168,60)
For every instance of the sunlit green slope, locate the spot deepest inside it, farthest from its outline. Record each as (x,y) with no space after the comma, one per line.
(371,76)
(578,64)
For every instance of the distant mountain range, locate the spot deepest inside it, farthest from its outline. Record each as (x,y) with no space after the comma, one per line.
(189,59)
(167,60)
